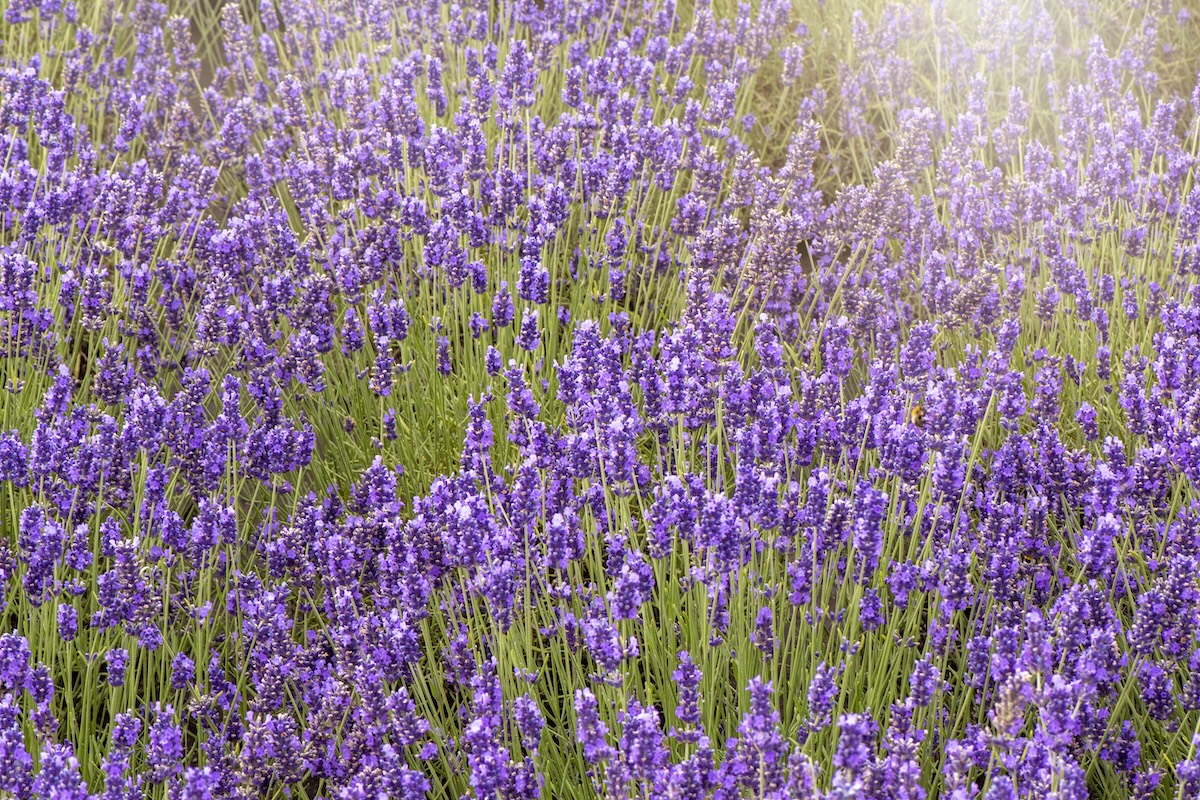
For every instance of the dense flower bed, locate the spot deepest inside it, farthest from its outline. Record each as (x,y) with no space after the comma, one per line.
(622,399)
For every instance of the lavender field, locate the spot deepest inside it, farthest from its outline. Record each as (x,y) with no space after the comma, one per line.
(620,399)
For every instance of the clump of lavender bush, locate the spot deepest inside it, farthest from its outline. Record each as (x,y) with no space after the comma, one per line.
(599,399)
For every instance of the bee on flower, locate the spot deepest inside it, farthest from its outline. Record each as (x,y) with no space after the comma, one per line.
(916,415)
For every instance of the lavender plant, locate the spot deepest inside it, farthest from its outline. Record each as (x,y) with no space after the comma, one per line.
(599,399)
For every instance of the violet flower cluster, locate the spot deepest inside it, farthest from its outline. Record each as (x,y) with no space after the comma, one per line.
(599,399)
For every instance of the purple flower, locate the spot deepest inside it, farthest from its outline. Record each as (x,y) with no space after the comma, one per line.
(478,325)
(1086,417)
(183,672)
(1123,749)
(41,543)
(759,753)
(443,356)
(1096,549)
(164,749)
(529,721)
(68,622)
(16,764)
(564,539)
(493,362)
(201,783)
(1157,692)
(763,636)
(924,682)
(1188,772)
(632,586)
(603,639)
(839,354)
(59,778)
(531,335)
(855,747)
(870,509)
(14,459)
(870,610)
(642,742)
(502,307)
(822,695)
(590,729)
(687,677)
(118,781)
(903,580)
(116,660)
